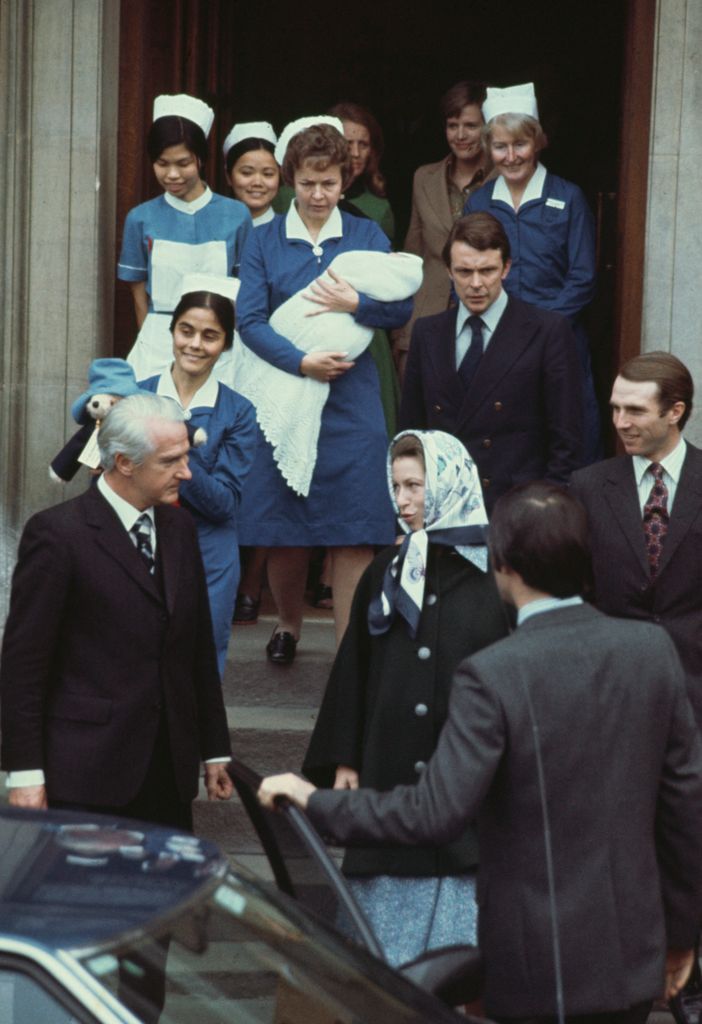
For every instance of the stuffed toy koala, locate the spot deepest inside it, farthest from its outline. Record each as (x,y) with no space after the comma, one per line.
(108,380)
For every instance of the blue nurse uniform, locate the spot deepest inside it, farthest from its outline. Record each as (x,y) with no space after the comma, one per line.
(348,502)
(213,495)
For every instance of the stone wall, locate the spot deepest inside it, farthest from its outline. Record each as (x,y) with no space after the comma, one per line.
(672,313)
(58,131)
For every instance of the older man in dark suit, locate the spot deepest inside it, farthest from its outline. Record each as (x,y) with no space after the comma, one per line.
(645,510)
(109,684)
(574,744)
(501,375)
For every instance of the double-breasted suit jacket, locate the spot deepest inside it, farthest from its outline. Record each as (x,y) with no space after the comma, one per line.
(622,768)
(97,653)
(521,417)
(622,579)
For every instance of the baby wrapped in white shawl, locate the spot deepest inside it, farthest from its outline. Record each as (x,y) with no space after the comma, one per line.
(289,408)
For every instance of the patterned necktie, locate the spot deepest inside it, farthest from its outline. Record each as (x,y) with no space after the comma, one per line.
(141,535)
(471,360)
(655,519)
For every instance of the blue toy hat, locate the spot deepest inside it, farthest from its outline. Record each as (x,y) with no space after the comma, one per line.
(105,377)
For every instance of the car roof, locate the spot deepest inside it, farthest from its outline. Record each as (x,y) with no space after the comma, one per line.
(72,880)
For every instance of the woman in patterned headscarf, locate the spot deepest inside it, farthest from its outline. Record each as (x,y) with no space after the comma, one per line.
(420,608)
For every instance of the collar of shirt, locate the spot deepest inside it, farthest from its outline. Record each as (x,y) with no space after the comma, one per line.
(545,604)
(191,207)
(126,513)
(264,218)
(672,468)
(204,398)
(534,189)
(491,318)
(295,227)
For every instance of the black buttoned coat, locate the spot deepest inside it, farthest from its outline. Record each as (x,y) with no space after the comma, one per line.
(521,418)
(387,697)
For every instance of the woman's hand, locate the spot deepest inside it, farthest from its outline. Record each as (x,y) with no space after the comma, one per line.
(345,778)
(289,785)
(678,967)
(335,297)
(324,366)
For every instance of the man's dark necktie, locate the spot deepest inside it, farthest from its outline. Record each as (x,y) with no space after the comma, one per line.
(470,361)
(141,535)
(655,519)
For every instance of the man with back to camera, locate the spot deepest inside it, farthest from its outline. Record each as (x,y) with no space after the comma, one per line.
(109,685)
(621,762)
(645,510)
(501,375)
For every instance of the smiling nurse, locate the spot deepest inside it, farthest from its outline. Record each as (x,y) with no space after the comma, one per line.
(187,229)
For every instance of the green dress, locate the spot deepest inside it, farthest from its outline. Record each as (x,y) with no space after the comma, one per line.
(359,201)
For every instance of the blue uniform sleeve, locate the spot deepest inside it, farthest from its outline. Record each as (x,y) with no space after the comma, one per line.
(253,309)
(579,283)
(133,259)
(216,492)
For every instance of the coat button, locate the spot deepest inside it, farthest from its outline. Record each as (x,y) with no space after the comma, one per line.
(487,442)
(437,408)
(431,599)
(498,407)
(421,710)
(485,481)
(423,653)
(419,766)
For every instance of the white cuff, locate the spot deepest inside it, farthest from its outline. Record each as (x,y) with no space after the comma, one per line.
(217,760)
(30,777)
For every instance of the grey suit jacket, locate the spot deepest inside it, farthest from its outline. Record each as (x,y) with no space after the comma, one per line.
(622,580)
(622,762)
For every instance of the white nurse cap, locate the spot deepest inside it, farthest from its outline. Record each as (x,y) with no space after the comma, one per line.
(228,287)
(249,130)
(295,127)
(516,99)
(185,106)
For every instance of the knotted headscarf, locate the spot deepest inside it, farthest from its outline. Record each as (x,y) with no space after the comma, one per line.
(454,515)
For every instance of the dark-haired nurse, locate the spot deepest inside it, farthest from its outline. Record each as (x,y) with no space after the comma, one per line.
(202,328)
(187,229)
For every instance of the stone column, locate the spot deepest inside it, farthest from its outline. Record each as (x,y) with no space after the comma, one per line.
(672,313)
(59,62)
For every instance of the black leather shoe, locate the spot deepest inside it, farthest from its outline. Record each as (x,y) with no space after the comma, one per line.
(281,648)
(245,610)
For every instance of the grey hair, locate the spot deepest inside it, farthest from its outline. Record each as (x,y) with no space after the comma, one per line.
(516,124)
(126,428)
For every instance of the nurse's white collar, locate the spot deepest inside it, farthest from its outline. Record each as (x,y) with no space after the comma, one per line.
(534,189)
(264,218)
(204,398)
(295,227)
(193,206)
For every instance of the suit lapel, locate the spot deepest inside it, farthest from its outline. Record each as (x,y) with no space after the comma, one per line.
(687,505)
(621,495)
(513,334)
(169,554)
(441,351)
(436,192)
(114,541)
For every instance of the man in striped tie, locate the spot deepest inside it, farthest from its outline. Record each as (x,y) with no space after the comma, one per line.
(645,509)
(110,693)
